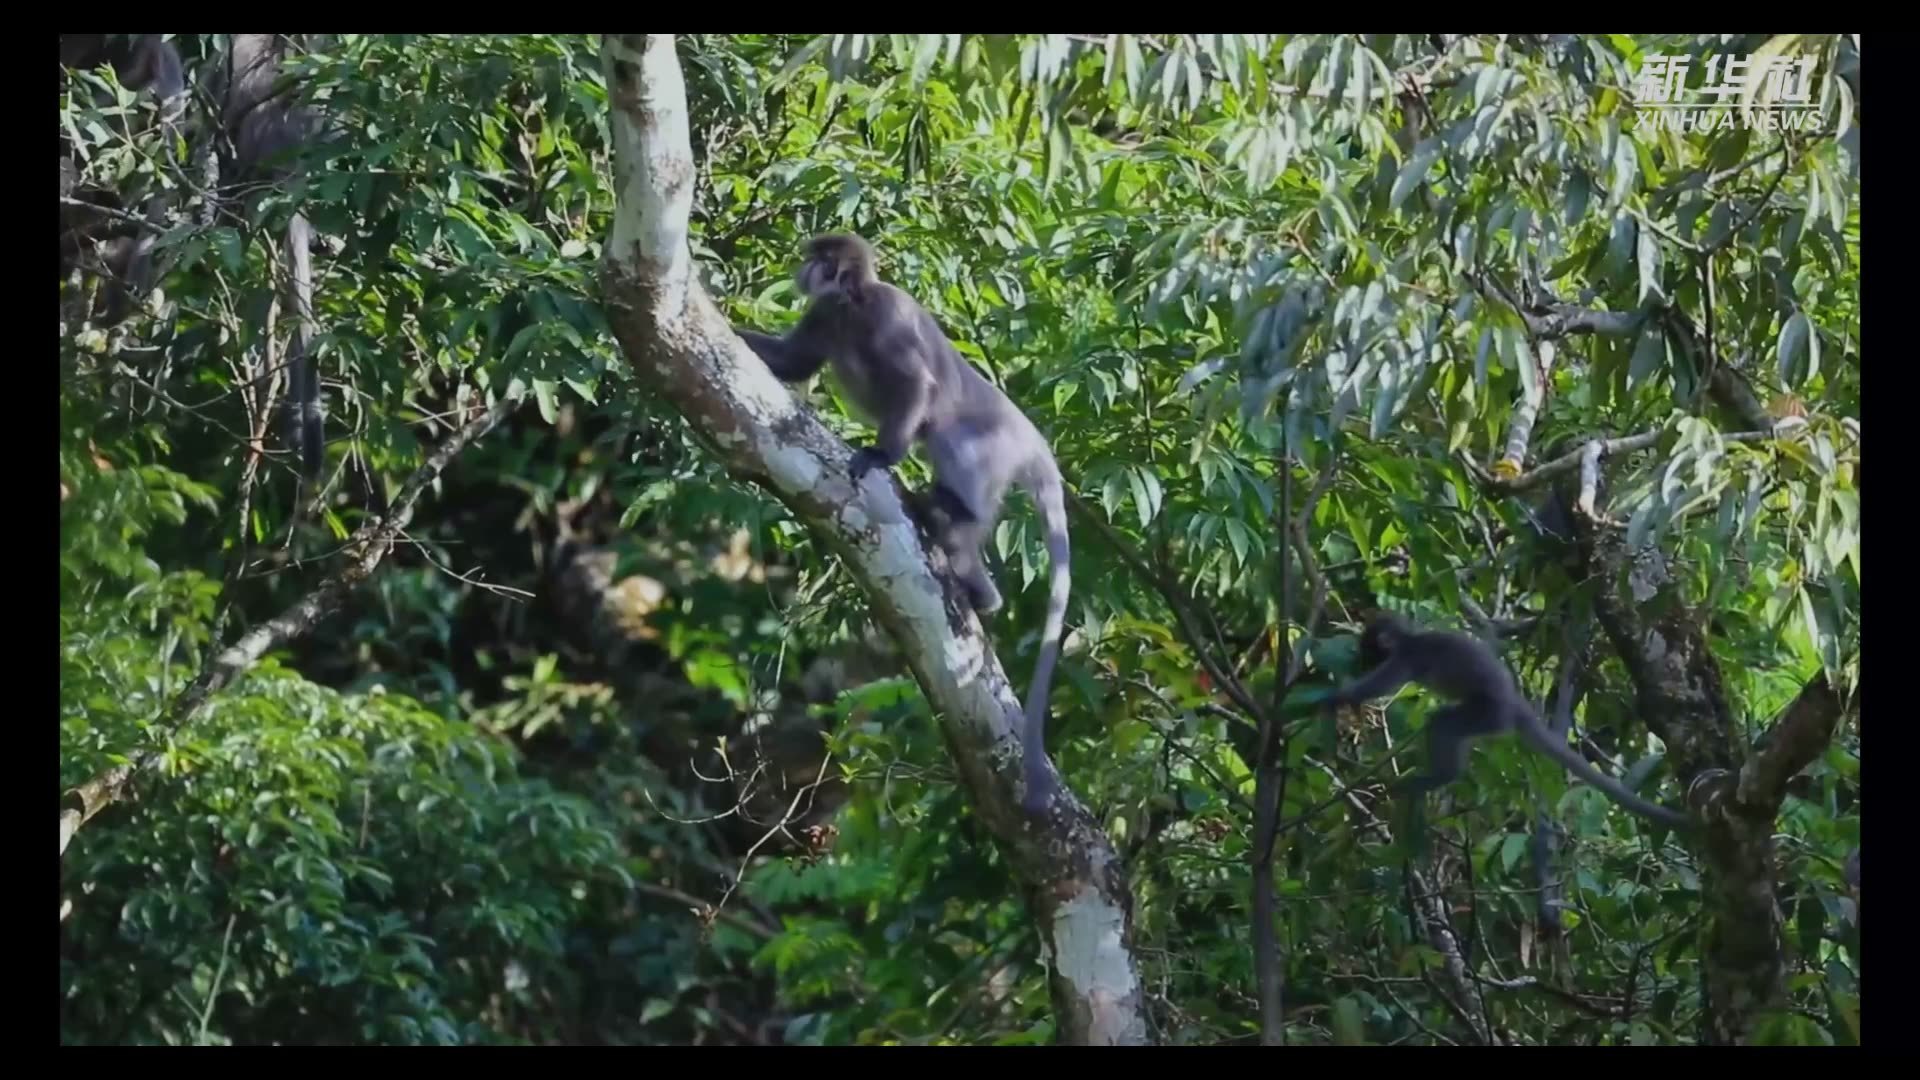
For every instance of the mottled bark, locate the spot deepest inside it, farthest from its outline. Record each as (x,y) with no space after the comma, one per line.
(1682,698)
(682,348)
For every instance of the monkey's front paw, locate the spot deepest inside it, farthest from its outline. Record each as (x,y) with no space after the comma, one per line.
(953,506)
(865,460)
(984,598)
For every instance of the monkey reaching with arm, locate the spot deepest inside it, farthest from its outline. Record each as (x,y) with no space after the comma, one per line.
(1486,702)
(900,370)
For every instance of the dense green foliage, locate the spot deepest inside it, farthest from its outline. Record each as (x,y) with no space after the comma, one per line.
(1231,276)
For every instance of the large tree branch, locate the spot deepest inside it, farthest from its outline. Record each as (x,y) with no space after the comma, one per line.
(369,544)
(682,348)
(1573,459)
(1554,321)
(1795,741)
(1681,696)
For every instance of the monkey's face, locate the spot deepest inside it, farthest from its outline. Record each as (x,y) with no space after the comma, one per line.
(818,277)
(1379,640)
(835,265)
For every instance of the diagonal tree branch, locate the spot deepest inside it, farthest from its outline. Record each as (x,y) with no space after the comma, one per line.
(1553,321)
(369,545)
(682,348)
(1796,740)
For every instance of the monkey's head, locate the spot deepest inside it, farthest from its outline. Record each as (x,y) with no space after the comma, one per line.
(838,263)
(1382,637)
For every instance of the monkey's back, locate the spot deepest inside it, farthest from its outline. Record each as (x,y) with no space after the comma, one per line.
(962,394)
(1460,667)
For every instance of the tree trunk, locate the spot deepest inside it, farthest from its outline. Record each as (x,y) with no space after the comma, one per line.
(683,349)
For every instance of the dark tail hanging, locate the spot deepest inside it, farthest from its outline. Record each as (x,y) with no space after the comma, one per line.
(1570,758)
(1051,500)
(306,432)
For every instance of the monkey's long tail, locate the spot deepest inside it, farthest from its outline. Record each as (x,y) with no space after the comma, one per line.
(304,416)
(1051,499)
(1577,765)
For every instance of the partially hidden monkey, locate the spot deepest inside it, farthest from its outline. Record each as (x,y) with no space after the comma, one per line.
(902,372)
(144,63)
(261,125)
(265,127)
(1486,699)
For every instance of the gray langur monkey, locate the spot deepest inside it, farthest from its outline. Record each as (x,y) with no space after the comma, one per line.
(902,372)
(264,127)
(1486,699)
(144,63)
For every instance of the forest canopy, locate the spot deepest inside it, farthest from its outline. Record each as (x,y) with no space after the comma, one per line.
(466,640)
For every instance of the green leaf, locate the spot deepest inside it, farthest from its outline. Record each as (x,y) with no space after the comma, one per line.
(925,52)
(1790,349)
(1648,354)
(1512,847)
(1719,224)
(1142,503)
(1412,174)
(1349,1028)
(543,393)
(1649,247)
(1523,359)
(1113,493)
(1385,399)
(1240,537)
(1579,192)
(1135,64)
(1620,245)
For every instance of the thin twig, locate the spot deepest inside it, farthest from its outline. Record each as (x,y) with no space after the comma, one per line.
(371,541)
(705,910)
(467,578)
(1316,607)
(1759,206)
(1182,612)
(105,211)
(219,976)
(1180,745)
(779,828)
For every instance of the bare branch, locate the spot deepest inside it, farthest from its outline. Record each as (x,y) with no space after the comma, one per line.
(1571,460)
(1169,591)
(370,543)
(1520,429)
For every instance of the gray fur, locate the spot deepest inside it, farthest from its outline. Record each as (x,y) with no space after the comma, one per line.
(908,380)
(266,128)
(1487,702)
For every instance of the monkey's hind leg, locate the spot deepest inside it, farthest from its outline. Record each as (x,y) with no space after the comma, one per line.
(1450,735)
(967,491)
(962,543)
(952,505)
